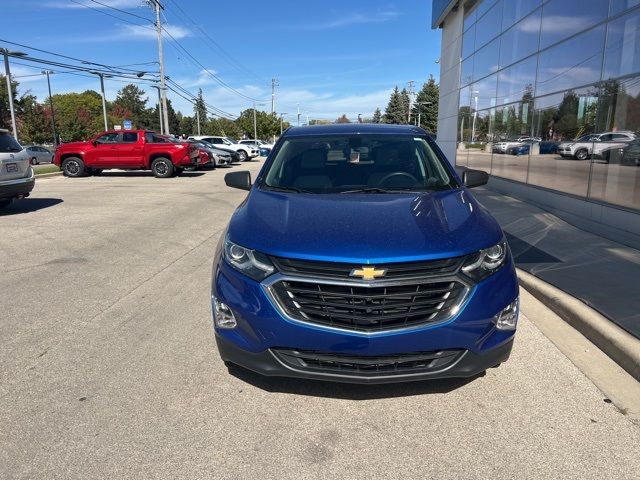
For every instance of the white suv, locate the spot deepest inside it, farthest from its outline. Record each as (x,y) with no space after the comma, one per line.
(16,175)
(258,143)
(246,152)
(594,144)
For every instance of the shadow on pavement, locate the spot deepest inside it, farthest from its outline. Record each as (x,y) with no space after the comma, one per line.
(347,391)
(27,205)
(146,174)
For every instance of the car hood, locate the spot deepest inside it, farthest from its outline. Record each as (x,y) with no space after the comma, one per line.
(72,145)
(364,228)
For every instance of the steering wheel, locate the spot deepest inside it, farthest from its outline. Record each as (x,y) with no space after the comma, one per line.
(405,175)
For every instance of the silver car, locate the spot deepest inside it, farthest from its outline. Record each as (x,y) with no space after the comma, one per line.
(39,155)
(16,175)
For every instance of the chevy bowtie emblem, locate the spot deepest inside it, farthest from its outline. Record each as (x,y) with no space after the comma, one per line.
(367,273)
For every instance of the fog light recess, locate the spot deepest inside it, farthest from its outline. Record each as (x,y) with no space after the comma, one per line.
(507,319)
(222,315)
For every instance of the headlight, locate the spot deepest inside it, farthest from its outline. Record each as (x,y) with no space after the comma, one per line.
(486,261)
(253,264)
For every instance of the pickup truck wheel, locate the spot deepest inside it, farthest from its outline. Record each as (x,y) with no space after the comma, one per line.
(582,154)
(243,155)
(162,168)
(73,167)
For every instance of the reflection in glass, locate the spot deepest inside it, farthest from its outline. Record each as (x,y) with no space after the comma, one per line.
(559,119)
(521,40)
(468,42)
(466,71)
(464,136)
(622,55)
(570,64)
(563,18)
(486,59)
(516,82)
(482,94)
(486,28)
(618,6)
(479,153)
(514,10)
(512,123)
(615,177)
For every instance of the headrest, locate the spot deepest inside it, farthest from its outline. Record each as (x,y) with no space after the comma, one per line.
(312,160)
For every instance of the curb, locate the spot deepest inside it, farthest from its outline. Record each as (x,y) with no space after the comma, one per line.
(620,346)
(45,175)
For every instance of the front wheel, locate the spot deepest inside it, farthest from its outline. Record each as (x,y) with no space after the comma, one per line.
(73,167)
(582,154)
(162,168)
(34,161)
(243,155)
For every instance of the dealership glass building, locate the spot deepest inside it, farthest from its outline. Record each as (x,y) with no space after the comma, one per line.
(521,80)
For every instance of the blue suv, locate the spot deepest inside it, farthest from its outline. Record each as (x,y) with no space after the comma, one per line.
(360,256)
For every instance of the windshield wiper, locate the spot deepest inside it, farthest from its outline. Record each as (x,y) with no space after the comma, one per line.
(284,189)
(380,190)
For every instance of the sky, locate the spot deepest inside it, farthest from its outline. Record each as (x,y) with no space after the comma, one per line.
(331,57)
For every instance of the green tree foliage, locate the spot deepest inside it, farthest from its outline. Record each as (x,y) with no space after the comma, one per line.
(131,101)
(377,116)
(35,122)
(224,127)
(405,101)
(427,105)
(187,126)
(394,112)
(78,115)
(5,113)
(200,108)
(267,124)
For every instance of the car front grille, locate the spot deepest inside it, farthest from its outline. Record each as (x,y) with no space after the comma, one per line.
(367,366)
(369,308)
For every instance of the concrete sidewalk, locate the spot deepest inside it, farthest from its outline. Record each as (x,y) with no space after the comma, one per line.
(603,274)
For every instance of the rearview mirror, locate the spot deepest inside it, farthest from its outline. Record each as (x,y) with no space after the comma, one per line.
(241,180)
(474,178)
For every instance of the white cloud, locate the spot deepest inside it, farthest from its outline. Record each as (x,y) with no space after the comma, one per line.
(107,4)
(352,19)
(149,33)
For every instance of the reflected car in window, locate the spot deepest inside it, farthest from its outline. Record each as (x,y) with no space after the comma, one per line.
(594,144)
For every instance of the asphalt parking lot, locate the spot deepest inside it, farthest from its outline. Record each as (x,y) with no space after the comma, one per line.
(110,370)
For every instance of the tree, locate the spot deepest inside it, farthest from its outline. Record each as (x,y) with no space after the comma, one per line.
(35,122)
(224,127)
(406,103)
(267,125)
(187,126)
(377,116)
(174,121)
(5,114)
(343,119)
(78,115)
(131,101)
(394,112)
(199,108)
(427,105)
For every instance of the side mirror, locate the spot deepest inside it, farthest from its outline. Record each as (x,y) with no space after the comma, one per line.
(241,180)
(94,143)
(473,178)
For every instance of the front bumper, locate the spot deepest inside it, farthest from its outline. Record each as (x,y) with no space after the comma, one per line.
(18,187)
(269,363)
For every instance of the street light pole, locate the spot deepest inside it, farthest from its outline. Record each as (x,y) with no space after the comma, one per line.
(255,123)
(104,101)
(159,108)
(419,124)
(53,116)
(281,121)
(157,7)
(298,113)
(7,73)
(475,115)
(198,116)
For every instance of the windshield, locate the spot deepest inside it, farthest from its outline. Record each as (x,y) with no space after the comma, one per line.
(229,141)
(358,163)
(9,144)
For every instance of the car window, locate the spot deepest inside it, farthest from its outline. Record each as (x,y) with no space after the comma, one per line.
(620,136)
(9,144)
(226,141)
(605,138)
(129,137)
(348,163)
(111,137)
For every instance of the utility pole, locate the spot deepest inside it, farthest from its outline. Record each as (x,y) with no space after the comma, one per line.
(198,117)
(53,116)
(157,7)
(411,93)
(281,121)
(298,113)
(7,73)
(104,101)
(255,124)
(274,84)
(159,108)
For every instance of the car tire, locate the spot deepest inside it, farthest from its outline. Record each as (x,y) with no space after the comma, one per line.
(73,167)
(243,155)
(34,161)
(582,154)
(162,168)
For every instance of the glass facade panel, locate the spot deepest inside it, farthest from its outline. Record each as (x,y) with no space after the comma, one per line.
(570,64)
(511,123)
(514,10)
(486,26)
(468,42)
(616,157)
(558,120)
(622,55)
(516,82)
(565,97)
(563,18)
(618,6)
(486,60)
(521,40)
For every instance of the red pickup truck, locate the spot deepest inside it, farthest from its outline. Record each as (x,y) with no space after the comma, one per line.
(128,150)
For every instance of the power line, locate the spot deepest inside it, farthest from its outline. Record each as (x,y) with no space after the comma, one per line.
(110,14)
(122,11)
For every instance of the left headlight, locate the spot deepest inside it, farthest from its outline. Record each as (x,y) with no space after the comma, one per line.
(486,261)
(254,264)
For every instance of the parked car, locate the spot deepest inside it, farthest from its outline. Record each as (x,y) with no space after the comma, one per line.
(16,175)
(258,144)
(215,157)
(246,152)
(594,144)
(503,146)
(39,155)
(235,158)
(544,148)
(383,270)
(129,150)
(628,154)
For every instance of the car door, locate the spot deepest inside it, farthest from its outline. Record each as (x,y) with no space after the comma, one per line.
(43,154)
(105,151)
(131,150)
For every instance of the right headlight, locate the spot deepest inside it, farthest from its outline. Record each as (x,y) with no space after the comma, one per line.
(482,264)
(250,262)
